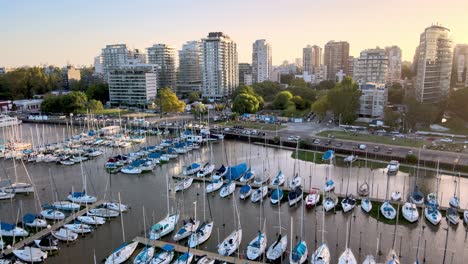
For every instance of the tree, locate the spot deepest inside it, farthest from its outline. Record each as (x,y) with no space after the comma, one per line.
(300,103)
(193,97)
(326,85)
(396,93)
(299,82)
(391,118)
(199,110)
(320,106)
(168,101)
(343,100)
(74,101)
(418,113)
(245,103)
(282,99)
(267,90)
(95,105)
(98,91)
(246,89)
(406,72)
(458,103)
(286,78)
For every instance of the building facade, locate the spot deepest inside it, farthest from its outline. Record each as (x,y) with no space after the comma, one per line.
(261,61)
(133,84)
(460,65)
(189,78)
(394,64)
(70,75)
(336,55)
(165,57)
(116,55)
(434,64)
(371,66)
(220,71)
(373,100)
(245,74)
(311,58)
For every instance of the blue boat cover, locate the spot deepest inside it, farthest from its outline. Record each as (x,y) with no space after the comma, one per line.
(277,194)
(29,218)
(193,166)
(184,257)
(6,226)
(245,189)
(78,194)
(298,251)
(329,154)
(235,172)
(155,155)
(168,247)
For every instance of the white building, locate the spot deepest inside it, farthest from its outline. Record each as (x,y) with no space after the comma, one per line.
(164,56)
(98,67)
(434,64)
(220,71)
(371,66)
(189,78)
(31,106)
(117,55)
(394,64)
(261,61)
(373,100)
(133,84)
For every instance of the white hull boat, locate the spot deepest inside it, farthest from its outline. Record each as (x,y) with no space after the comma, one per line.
(201,235)
(9,230)
(192,169)
(347,257)
(245,191)
(214,186)
(164,227)
(393,167)
(103,212)
(366,205)
(312,198)
(51,214)
(295,182)
(122,254)
(207,170)
(81,198)
(165,256)
(387,210)
(257,246)
(227,189)
(369,260)
(321,255)
(79,228)
(329,186)
(185,258)
(115,206)
(6,195)
(279,180)
(46,244)
(91,220)
(329,203)
(410,212)
(299,253)
(184,184)
(65,235)
(432,215)
(30,254)
(188,228)
(465,217)
(454,202)
(348,204)
(452,216)
(231,243)
(132,170)
(277,249)
(145,256)
(396,196)
(259,194)
(19,187)
(66,206)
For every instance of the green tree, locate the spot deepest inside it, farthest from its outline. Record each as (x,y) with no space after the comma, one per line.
(325,85)
(458,103)
(391,117)
(282,99)
(300,103)
(98,91)
(168,101)
(199,110)
(53,104)
(407,72)
(267,90)
(299,82)
(246,89)
(396,93)
(286,78)
(320,107)
(95,105)
(418,113)
(193,97)
(245,103)
(74,101)
(343,100)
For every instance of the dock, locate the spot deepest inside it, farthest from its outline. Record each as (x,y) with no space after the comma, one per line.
(44,232)
(195,252)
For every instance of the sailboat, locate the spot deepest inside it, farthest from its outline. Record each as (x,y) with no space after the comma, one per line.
(452,216)
(18,187)
(192,169)
(455,200)
(322,253)
(465,217)
(47,243)
(147,253)
(245,191)
(259,194)
(431,212)
(387,209)
(164,256)
(184,258)
(409,210)
(188,227)
(50,213)
(183,184)
(329,183)
(122,254)
(219,173)
(295,196)
(314,194)
(277,248)
(10,230)
(232,242)
(30,254)
(32,220)
(214,186)
(167,225)
(349,202)
(276,195)
(392,257)
(279,179)
(299,252)
(347,257)
(207,169)
(296,180)
(6,195)
(227,189)
(65,235)
(203,232)
(81,197)
(79,228)
(257,245)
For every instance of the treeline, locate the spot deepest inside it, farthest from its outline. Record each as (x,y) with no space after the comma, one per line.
(72,102)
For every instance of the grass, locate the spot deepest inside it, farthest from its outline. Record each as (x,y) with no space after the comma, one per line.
(255,125)
(109,111)
(373,138)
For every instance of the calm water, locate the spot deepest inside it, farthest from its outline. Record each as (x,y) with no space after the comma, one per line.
(149,191)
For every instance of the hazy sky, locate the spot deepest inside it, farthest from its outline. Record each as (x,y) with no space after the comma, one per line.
(58,32)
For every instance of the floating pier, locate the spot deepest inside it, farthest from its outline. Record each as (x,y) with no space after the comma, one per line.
(195,252)
(46,231)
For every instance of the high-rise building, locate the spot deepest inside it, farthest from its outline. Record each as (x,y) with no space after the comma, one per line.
(394,64)
(373,100)
(460,65)
(133,84)
(351,63)
(70,75)
(245,74)
(165,57)
(220,71)
(311,58)
(189,78)
(116,55)
(434,64)
(98,67)
(261,61)
(371,66)
(336,55)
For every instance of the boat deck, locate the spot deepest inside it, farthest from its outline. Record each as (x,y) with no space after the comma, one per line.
(196,252)
(46,231)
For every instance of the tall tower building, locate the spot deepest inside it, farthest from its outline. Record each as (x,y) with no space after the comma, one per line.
(434,64)
(311,58)
(336,57)
(245,74)
(189,78)
(261,61)
(113,56)
(460,65)
(165,57)
(394,64)
(371,66)
(220,71)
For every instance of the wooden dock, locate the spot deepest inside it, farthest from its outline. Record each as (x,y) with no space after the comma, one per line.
(196,252)
(46,231)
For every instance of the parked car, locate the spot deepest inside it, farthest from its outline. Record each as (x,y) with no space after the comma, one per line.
(339,144)
(362,146)
(317,141)
(446,140)
(389,151)
(376,149)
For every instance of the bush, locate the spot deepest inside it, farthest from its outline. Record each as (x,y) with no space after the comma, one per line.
(411,158)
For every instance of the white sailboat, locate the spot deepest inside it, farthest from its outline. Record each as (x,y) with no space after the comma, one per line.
(455,200)
(79,228)
(232,242)
(259,194)
(410,212)
(279,179)
(10,230)
(164,256)
(30,254)
(349,202)
(347,257)
(299,253)
(65,235)
(322,253)
(122,254)
(227,189)
(19,187)
(214,186)
(203,232)
(81,197)
(147,253)
(167,225)
(277,248)
(183,184)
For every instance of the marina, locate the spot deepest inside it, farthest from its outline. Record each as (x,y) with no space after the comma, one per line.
(149,190)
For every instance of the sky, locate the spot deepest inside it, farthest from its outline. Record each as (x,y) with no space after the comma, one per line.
(58,32)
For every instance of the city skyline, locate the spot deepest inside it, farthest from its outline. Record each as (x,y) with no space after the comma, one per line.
(43,33)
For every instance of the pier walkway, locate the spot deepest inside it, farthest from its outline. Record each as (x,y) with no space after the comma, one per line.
(196,252)
(46,231)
